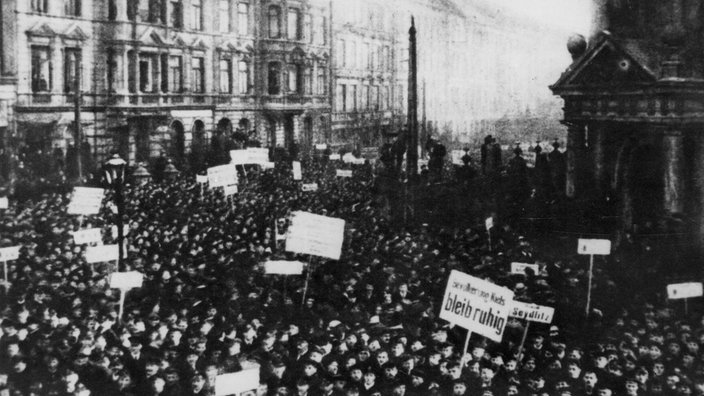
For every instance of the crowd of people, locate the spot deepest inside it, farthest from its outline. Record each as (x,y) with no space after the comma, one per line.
(368,324)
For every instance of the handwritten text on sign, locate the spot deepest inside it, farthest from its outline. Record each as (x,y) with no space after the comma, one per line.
(10,253)
(532,312)
(85,201)
(343,173)
(126,280)
(316,235)
(297,174)
(4,203)
(594,246)
(98,254)
(684,290)
(310,187)
(221,176)
(90,235)
(283,267)
(477,305)
(520,268)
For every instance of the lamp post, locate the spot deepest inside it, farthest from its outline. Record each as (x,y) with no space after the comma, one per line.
(170,172)
(141,175)
(114,171)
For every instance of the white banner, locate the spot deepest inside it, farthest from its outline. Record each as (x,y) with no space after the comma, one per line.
(258,155)
(309,187)
(230,190)
(221,176)
(202,179)
(359,161)
(97,254)
(348,158)
(281,267)
(9,253)
(239,157)
(126,280)
(489,223)
(321,146)
(315,235)
(532,312)
(476,305)
(334,157)
(4,203)
(90,235)
(125,231)
(457,157)
(268,165)
(85,201)
(684,290)
(520,268)
(297,173)
(343,173)
(594,246)
(236,383)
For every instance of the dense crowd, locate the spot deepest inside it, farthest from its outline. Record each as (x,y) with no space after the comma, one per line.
(368,325)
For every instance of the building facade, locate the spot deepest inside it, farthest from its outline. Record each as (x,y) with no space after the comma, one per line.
(635,116)
(173,76)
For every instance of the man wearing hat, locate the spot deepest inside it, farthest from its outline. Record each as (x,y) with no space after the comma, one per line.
(369,385)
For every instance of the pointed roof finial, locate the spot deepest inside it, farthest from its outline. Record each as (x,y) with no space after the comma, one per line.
(412,30)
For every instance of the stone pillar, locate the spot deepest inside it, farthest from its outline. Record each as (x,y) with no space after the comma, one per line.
(673,168)
(598,158)
(575,154)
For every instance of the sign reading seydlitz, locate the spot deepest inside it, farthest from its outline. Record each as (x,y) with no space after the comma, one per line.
(532,312)
(477,305)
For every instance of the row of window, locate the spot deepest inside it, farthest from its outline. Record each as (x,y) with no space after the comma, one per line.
(370,56)
(71,7)
(353,97)
(42,69)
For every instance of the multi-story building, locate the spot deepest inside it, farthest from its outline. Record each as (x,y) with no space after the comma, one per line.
(8,81)
(173,76)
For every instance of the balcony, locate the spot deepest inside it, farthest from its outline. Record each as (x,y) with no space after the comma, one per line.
(60,100)
(294,101)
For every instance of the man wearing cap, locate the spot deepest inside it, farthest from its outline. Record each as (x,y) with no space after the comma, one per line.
(369,385)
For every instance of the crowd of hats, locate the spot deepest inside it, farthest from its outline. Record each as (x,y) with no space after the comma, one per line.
(368,324)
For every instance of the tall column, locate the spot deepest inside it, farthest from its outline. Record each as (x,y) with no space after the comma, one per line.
(673,156)
(598,157)
(698,164)
(575,154)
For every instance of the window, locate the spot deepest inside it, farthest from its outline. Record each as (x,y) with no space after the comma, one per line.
(147,72)
(366,56)
(72,62)
(196,14)
(41,69)
(198,69)
(294,24)
(319,30)
(243,77)
(352,54)
(111,69)
(175,74)
(341,52)
(176,15)
(322,81)
(308,28)
(157,11)
(40,6)
(224,11)
(375,98)
(274,78)
(294,78)
(112,10)
(274,22)
(132,7)
(243,19)
(343,98)
(164,64)
(364,102)
(308,80)
(72,7)
(225,76)
(353,97)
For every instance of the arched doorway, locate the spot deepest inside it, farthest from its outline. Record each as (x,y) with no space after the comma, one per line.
(178,147)
(225,126)
(307,132)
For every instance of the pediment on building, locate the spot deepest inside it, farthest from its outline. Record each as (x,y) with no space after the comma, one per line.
(199,45)
(227,45)
(74,33)
(605,64)
(41,30)
(179,41)
(298,55)
(151,38)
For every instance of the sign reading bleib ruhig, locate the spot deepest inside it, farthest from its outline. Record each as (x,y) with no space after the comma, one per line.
(85,201)
(532,312)
(477,305)
(315,235)
(221,176)
(684,290)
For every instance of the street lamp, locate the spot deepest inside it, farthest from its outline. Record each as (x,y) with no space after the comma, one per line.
(141,175)
(170,171)
(114,171)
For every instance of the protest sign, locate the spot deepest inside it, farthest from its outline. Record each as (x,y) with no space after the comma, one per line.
(520,268)
(315,235)
(309,187)
(359,161)
(348,158)
(85,201)
(489,223)
(236,383)
(322,146)
(532,312)
(125,230)
(126,280)
(297,173)
(258,155)
(684,290)
(343,173)
(281,267)
(4,203)
(370,153)
(201,179)
(239,157)
(230,190)
(268,165)
(334,157)
(476,305)
(97,254)
(594,246)
(221,176)
(457,157)
(10,253)
(90,235)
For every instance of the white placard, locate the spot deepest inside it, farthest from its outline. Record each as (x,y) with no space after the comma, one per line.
(236,383)
(348,158)
(230,190)
(532,312)
(281,267)
(457,157)
(297,173)
(201,179)
(85,201)
(221,176)
(343,173)
(476,305)
(258,155)
(334,157)
(520,268)
(97,254)
(321,146)
(126,280)
(684,290)
(309,187)
(594,246)
(239,157)
(359,161)
(268,165)
(315,235)
(4,203)
(125,230)
(489,223)
(90,235)
(9,253)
